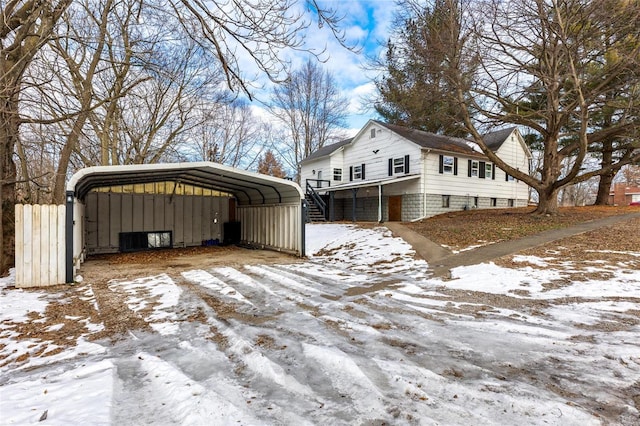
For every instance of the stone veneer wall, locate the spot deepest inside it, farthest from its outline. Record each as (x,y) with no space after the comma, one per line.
(412,206)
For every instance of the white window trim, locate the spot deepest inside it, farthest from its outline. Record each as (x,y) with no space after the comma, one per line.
(448,168)
(357,172)
(475,168)
(488,168)
(398,165)
(337,172)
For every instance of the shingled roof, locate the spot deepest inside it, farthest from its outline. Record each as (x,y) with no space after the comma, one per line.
(494,141)
(326,150)
(431,140)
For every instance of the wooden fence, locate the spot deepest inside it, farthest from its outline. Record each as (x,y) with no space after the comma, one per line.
(40,245)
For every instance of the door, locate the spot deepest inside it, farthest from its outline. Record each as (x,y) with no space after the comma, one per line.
(395,208)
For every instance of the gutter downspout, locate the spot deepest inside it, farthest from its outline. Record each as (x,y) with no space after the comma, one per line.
(424,182)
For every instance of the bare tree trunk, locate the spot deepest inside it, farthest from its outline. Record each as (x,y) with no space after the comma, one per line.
(604,189)
(547,201)
(8,137)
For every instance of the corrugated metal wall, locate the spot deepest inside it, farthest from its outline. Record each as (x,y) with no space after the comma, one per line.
(277,227)
(191,218)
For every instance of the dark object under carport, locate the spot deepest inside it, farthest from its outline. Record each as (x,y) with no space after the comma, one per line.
(232,233)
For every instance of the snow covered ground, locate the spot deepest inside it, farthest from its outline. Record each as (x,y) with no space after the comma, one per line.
(358,334)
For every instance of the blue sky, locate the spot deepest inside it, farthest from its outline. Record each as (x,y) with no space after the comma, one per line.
(366,24)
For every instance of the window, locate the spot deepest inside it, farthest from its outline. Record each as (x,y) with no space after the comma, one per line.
(373,133)
(488,168)
(474,169)
(509,178)
(337,174)
(159,239)
(494,202)
(447,164)
(357,172)
(445,200)
(399,166)
(511,202)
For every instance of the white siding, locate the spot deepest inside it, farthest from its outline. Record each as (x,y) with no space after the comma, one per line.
(307,171)
(376,152)
(462,184)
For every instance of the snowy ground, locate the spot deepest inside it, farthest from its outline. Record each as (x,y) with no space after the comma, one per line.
(358,334)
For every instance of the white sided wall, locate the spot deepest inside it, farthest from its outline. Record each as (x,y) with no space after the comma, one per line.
(375,153)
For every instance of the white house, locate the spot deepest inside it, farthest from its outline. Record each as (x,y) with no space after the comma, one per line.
(393,173)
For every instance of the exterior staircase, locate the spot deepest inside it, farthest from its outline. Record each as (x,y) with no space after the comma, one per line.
(314,213)
(316,207)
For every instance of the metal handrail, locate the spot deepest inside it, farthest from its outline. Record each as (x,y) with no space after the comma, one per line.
(317,200)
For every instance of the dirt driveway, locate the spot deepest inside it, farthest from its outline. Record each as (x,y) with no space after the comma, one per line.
(189,340)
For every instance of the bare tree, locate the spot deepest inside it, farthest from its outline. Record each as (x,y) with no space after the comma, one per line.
(312,111)
(631,174)
(537,60)
(25,26)
(229,133)
(261,29)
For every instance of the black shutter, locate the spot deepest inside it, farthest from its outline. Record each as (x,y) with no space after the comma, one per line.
(350,173)
(455,166)
(469,169)
(493,172)
(481,170)
(390,166)
(363,172)
(506,176)
(406,164)
(441,164)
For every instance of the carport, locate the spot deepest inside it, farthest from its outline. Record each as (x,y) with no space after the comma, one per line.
(266,212)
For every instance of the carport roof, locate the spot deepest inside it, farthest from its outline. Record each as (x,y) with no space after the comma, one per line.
(249,188)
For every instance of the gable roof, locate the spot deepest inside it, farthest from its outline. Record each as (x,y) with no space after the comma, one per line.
(494,140)
(326,150)
(431,140)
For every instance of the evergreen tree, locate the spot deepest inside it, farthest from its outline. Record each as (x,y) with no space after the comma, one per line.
(414,88)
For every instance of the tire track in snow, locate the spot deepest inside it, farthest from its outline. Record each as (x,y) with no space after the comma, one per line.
(189,402)
(260,364)
(237,276)
(289,282)
(348,379)
(206,280)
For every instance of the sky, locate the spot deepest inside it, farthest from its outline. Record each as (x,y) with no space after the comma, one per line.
(365,24)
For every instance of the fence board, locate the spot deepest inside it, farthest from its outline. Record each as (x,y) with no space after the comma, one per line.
(19,236)
(40,245)
(61,243)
